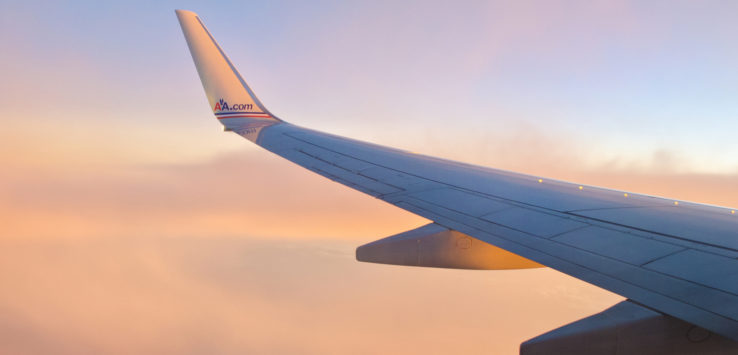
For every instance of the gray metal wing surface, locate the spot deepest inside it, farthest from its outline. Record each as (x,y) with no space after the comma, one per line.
(673,256)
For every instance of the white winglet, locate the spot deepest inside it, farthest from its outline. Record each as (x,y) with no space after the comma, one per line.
(230,98)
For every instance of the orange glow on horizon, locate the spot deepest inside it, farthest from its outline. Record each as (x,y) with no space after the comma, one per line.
(247,194)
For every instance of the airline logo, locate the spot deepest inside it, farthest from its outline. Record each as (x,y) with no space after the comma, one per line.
(222,105)
(223,110)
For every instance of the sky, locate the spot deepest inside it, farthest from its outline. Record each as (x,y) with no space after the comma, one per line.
(129,222)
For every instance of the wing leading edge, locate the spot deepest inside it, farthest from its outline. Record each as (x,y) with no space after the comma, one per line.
(675,257)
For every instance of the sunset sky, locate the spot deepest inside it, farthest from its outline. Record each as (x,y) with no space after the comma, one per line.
(130,223)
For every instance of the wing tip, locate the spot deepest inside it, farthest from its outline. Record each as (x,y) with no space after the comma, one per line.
(184,12)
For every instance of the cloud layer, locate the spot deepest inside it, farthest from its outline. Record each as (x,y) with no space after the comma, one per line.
(241,295)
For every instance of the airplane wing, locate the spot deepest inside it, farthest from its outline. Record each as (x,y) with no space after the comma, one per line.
(666,256)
